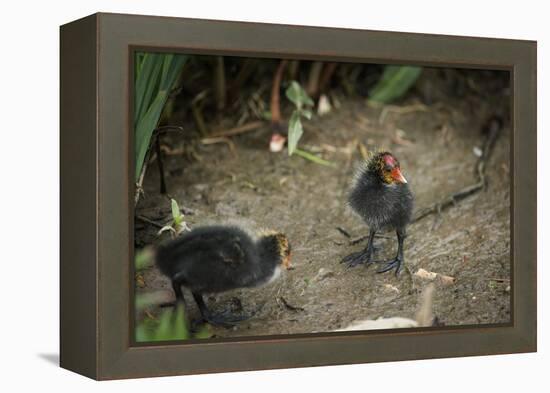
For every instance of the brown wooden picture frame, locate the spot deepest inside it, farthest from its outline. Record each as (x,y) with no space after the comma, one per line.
(97,192)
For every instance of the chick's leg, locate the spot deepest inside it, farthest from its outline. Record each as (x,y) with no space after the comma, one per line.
(176,286)
(225,319)
(361,257)
(399,260)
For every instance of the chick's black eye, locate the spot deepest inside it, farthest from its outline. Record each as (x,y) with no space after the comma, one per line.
(387,168)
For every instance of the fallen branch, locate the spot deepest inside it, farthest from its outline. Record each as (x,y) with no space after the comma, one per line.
(290,307)
(492,134)
(402,110)
(196,110)
(343,232)
(149,221)
(229,142)
(498,279)
(359,239)
(237,130)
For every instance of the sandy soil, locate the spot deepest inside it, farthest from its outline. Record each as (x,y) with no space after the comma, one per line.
(469,241)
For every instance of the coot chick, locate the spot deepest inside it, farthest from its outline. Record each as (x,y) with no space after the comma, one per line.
(219,258)
(381,196)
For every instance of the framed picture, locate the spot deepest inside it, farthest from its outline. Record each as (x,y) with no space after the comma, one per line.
(242,196)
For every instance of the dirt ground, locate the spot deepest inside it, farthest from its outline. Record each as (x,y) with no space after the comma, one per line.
(436,145)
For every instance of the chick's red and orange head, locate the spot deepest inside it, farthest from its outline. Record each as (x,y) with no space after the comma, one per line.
(389,169)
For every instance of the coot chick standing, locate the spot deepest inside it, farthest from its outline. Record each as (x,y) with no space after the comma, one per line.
(381,196)
(219,258)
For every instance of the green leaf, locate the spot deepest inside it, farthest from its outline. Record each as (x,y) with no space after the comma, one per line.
(313,158)
(394,83)
(295,131)
(293,93)
(172,325)
(203,332)
(166,63)
(306,113)
(156,75)
(142,334)
(176,213)
(145,128)
(298,96)
(146,76)
(143,259)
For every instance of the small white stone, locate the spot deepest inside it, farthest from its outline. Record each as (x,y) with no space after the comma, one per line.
(477,151)
(323,107)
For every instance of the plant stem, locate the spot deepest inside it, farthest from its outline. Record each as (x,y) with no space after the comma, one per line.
(314,158)
(160,165)
(275,104)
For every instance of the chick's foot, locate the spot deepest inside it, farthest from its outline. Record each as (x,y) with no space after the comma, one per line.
(358,258)
(396,263)
(226,319)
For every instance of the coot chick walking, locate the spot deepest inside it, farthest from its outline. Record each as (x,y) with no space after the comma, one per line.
(381,196)
(213,259)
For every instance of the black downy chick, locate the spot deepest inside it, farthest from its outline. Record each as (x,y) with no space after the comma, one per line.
(381,196)
(219,258)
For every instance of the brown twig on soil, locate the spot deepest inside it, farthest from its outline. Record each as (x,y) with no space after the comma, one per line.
(229,142)
(343,232)
(169,128)
(196,110)
(401,110)
(237,130)
(290,307)
(481,182)
(499,279)
(359,239)
(275,103)
(149,221)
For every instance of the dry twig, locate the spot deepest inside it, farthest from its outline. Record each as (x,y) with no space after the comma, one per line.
(237,130)
(288,306)
(480,183)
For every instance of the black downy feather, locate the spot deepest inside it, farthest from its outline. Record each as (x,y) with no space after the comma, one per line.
(219,258)
(382,206)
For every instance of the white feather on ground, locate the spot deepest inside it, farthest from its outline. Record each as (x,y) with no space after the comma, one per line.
(424,317)
(380,323)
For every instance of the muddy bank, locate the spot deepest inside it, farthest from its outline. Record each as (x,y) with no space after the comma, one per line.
(435,143)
